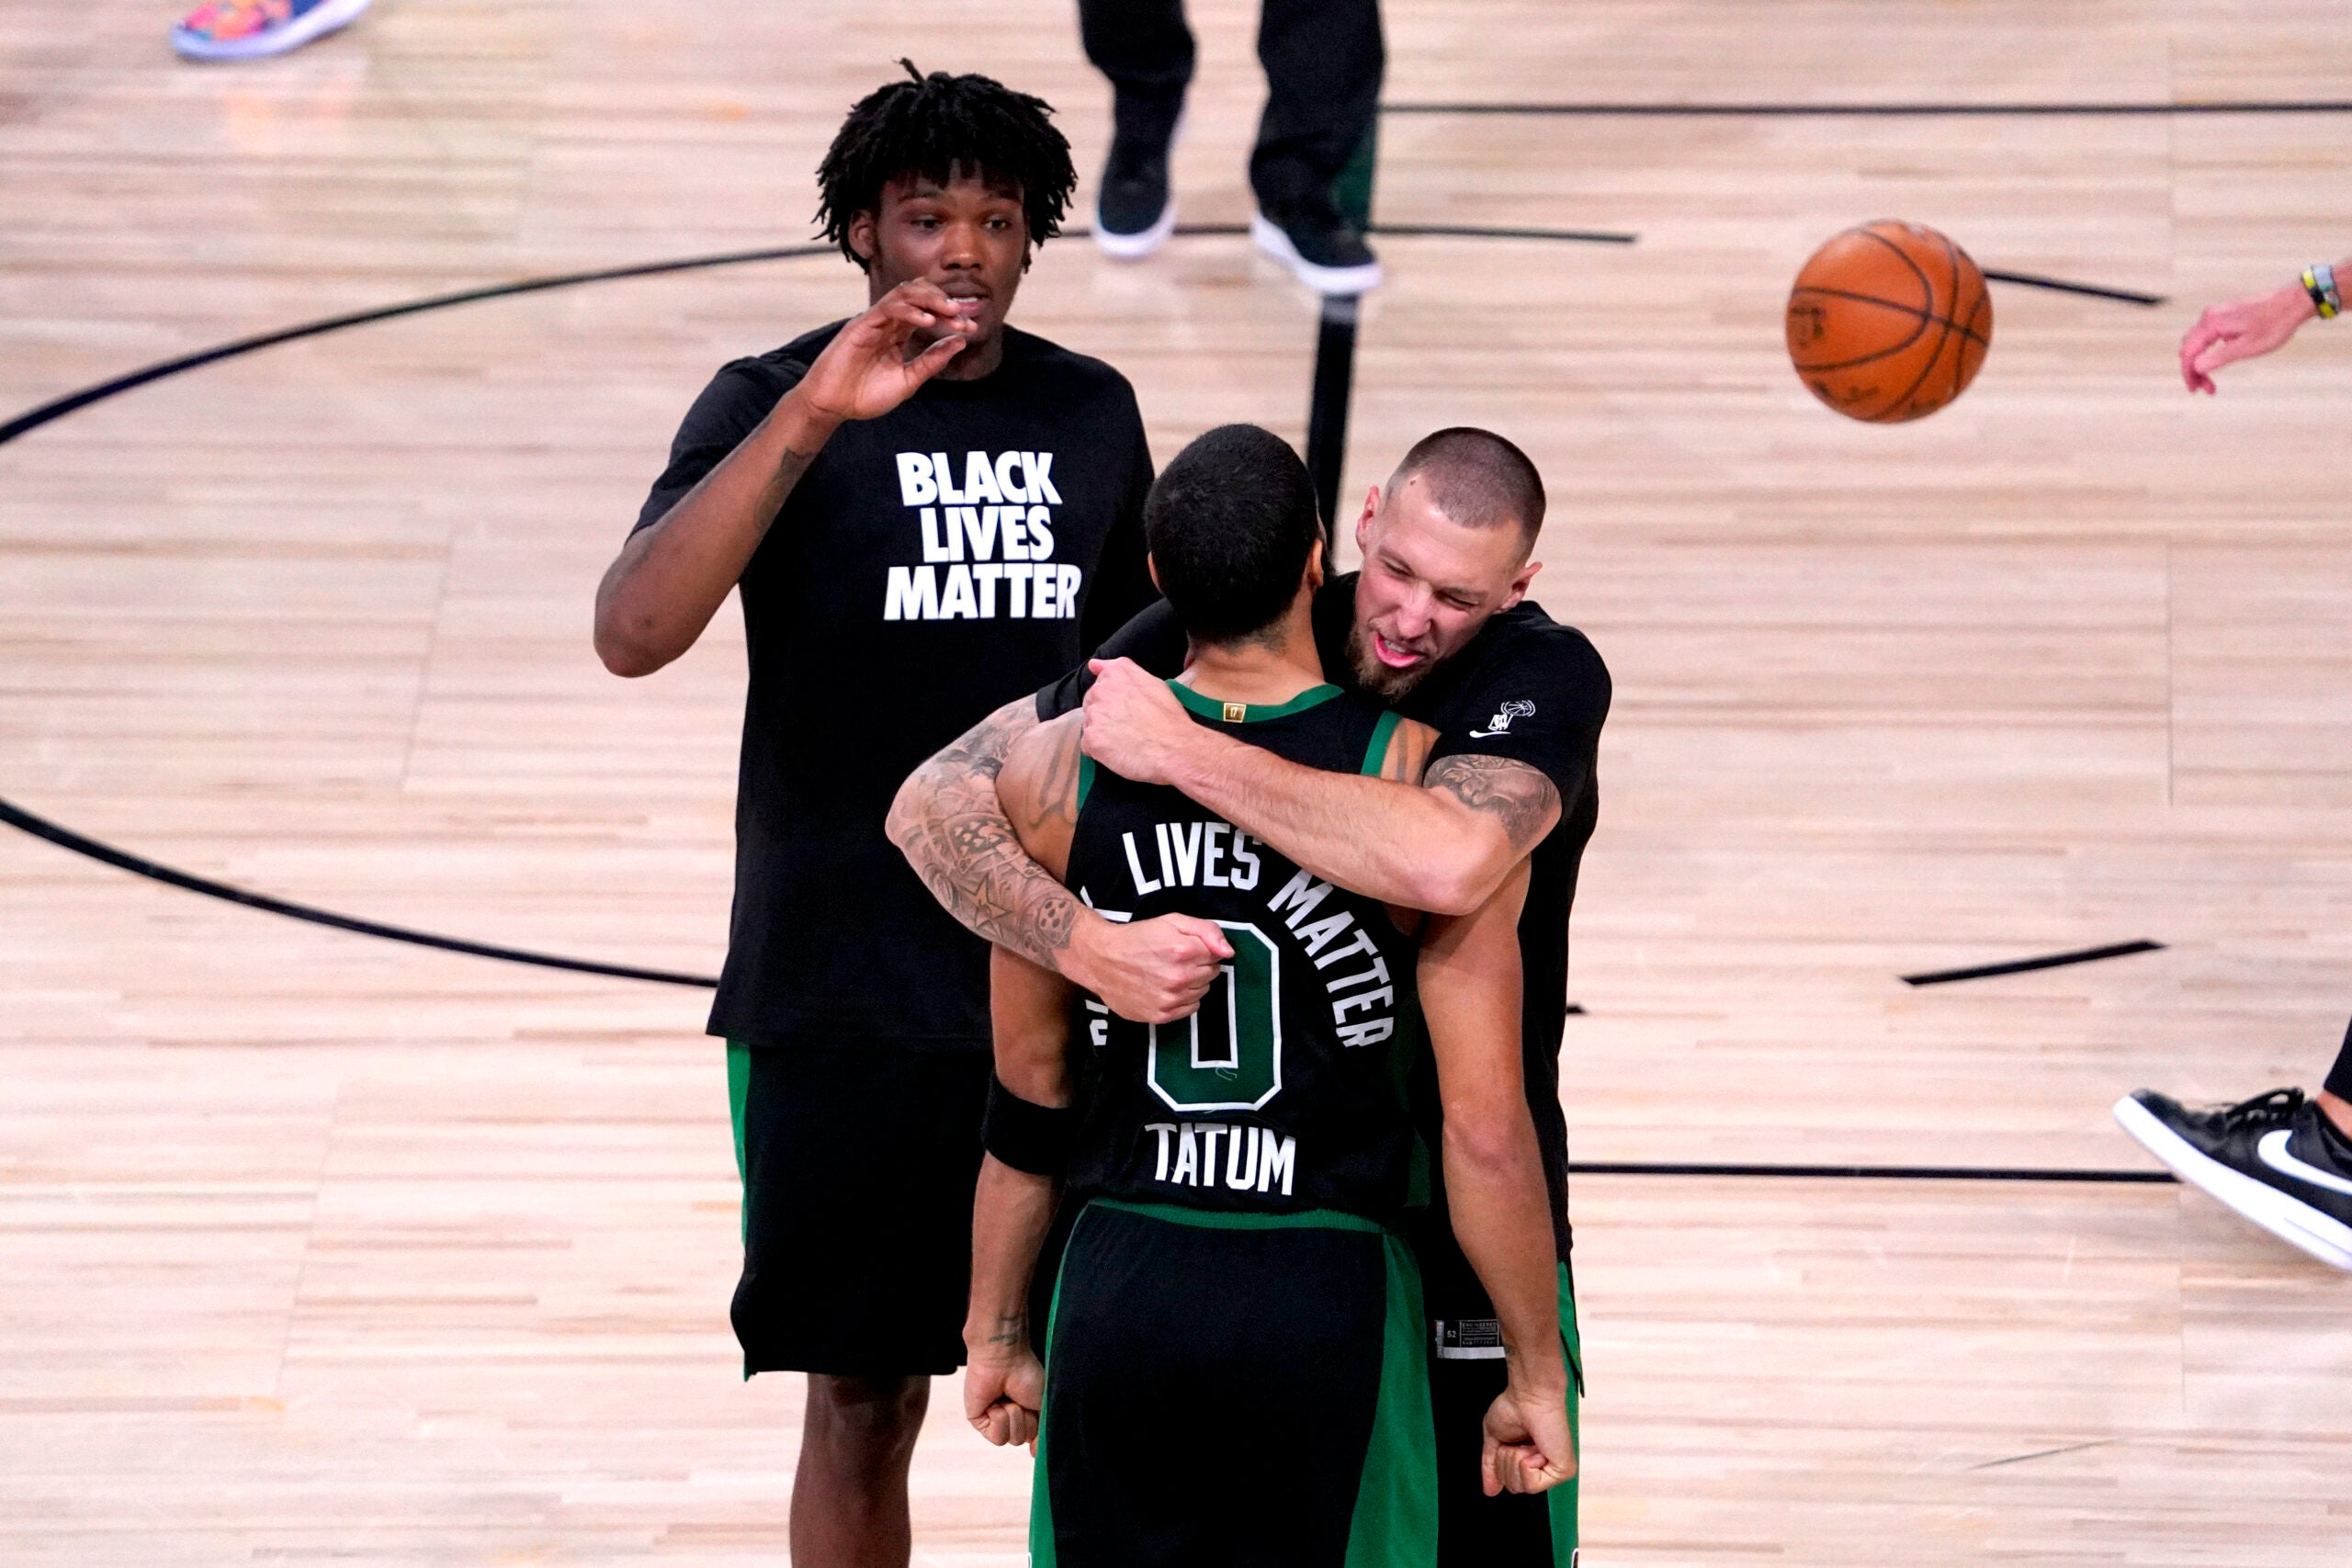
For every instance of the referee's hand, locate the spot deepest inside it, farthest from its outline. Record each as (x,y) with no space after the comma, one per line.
(1001,1397)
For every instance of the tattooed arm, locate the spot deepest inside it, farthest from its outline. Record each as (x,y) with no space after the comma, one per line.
(948,821)
(1444,846)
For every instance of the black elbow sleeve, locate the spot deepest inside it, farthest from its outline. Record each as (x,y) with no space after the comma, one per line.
(1025,1135)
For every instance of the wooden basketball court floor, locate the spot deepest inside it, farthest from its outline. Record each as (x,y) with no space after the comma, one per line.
(317,1247)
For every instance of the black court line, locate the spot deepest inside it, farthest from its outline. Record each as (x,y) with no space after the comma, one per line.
(107,854)
(59,408)
(1476,231)
(1876,1172)
(2095,290)
(1327,402)
(2021,965)
(1601,110)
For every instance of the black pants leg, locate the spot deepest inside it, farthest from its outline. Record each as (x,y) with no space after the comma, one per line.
(2339,1076)
(1146,50)
(1323,61)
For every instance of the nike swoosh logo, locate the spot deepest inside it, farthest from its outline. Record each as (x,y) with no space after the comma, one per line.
(1486,734)
(2273,1150)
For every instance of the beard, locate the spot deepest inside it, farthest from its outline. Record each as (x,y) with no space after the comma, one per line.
(1390,685)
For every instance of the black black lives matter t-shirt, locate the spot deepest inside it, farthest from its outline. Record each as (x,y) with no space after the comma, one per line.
(930,566)
(1527,688)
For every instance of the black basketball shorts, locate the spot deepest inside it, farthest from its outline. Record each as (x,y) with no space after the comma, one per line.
(858,1168)
(1247,1391)
(1466,1372)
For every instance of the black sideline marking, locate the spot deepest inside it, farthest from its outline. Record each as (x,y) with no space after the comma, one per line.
(2021,965)
(1875,1172)
(2046,1453)
(2095,290)
(1473,231)
(1327,404)
(107,854)
(1872,111)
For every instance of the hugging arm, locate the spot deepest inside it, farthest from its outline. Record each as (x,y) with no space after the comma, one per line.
(1470,985)
(1444,844)
(961,840)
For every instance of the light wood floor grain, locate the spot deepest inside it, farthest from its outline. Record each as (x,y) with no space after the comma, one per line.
(315,1247)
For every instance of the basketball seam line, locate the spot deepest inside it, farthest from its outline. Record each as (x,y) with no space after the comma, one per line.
(1941,343)
(1925,319)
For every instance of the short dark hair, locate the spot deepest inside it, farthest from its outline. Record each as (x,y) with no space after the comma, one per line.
(1478,479)
(1229,525)
(929,127)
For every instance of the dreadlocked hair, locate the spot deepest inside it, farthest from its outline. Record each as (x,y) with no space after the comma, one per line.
(933,128)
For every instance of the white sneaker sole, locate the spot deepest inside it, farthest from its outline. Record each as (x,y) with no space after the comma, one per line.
(1134,247)
(315,23)
(2298,1225)
(1322,279)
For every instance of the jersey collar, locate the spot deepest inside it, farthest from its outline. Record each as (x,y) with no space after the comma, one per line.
(1251,713)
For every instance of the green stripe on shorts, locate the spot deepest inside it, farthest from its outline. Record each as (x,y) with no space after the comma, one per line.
(1395,1524)
(1562,1499)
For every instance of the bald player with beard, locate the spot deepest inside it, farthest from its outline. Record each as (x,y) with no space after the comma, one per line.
(1437,624)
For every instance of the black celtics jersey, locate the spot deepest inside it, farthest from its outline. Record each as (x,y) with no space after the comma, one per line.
(1298,1083)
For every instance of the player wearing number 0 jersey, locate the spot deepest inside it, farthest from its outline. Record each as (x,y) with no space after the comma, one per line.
(1235,1372)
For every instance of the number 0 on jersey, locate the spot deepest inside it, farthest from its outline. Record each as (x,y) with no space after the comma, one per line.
(1229,1056)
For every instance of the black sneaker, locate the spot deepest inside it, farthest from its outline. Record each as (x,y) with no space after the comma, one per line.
(1323,248)
(2275,1159)
(1134,211)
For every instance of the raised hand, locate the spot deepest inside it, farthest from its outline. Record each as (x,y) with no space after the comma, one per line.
(1529,1447)
(2243,329)
(872,365)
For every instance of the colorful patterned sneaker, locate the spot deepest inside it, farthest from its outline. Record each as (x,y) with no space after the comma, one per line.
(250,29)
(2275,1159)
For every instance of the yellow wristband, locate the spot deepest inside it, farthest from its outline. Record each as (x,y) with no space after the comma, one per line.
(2319,282)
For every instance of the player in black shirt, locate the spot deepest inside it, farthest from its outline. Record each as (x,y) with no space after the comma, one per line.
(1437,623)
(927,512)
(1236,1369)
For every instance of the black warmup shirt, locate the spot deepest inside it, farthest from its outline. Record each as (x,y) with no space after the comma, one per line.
(930,567)
(1297,1084)
(1527,688)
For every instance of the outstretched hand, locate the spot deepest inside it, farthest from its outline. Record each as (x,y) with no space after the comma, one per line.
(2243,329)
(1529,1447)
(872,364)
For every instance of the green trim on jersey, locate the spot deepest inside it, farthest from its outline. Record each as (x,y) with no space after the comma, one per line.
(1085,779)
(1210,707)
(1376,750)
(1395,1523)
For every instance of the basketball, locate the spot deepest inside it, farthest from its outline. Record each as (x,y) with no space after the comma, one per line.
(1889,323)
